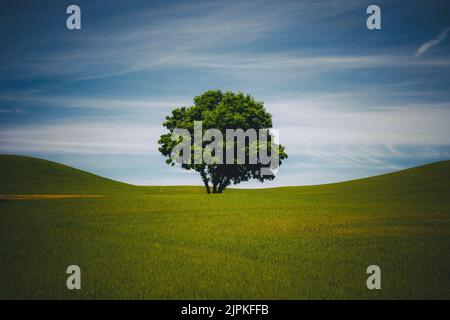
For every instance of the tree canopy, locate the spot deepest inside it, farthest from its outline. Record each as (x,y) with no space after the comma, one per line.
(224,111)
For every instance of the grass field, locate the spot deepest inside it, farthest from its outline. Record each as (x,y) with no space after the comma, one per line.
(179,243)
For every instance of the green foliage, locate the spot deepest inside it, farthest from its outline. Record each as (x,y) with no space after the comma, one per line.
(217,110)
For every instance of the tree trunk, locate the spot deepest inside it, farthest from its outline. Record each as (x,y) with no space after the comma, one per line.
(208,191)
(205,181)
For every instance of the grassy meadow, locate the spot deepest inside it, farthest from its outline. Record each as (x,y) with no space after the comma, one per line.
(180,243)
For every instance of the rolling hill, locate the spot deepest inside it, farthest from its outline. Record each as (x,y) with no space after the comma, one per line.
(310,242)
(27,175)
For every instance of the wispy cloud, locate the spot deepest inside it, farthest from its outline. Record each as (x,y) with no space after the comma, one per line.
(82,136)
(184,36)
(11,110)
(303,124)
(200,36)
(432,43)
(89,102)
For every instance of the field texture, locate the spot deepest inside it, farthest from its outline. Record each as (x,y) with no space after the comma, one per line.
(179,243)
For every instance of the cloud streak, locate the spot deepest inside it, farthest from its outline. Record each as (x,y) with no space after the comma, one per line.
(432,43)
(124,104)
(152,40)
(303,125)
(11,110)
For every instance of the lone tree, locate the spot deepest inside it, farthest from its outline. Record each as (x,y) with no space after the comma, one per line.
(224,112)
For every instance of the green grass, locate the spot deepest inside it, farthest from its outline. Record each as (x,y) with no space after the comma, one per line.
(179,243)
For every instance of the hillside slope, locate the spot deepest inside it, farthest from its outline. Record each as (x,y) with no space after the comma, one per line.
(179,243)
(431,180)
(26,175)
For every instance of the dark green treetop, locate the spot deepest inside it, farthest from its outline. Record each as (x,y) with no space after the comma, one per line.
(222,111)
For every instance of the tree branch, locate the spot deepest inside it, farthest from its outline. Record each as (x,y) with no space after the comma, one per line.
(224,184)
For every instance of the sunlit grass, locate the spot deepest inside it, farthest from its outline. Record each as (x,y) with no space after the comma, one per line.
(179,243)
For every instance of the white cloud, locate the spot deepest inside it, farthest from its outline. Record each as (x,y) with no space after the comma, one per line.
(93,102)
(11,110)
(432,43)
(168,38)
(82,136)
(293,62)
(304,125)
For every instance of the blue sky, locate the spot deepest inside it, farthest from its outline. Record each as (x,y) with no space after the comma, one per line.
(349,102)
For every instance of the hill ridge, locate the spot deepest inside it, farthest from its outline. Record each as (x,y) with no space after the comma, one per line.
(30,175)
